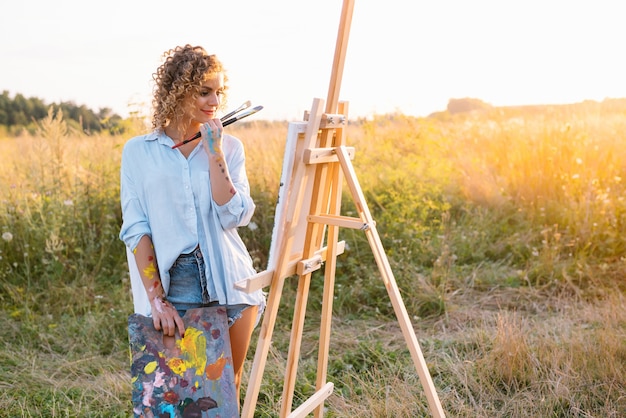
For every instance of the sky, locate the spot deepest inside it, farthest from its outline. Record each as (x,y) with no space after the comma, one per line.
(406,56)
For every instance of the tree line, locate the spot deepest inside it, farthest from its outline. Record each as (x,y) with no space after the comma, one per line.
(21,113)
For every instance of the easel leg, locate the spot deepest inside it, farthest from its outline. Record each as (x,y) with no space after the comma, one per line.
(390,284)
(295,343)
(329,282)
(263,347)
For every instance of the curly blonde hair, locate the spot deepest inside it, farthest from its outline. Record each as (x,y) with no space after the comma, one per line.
(180,78)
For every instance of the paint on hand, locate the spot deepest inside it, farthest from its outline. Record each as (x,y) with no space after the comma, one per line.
(211,143)
(213,147)
(159,304)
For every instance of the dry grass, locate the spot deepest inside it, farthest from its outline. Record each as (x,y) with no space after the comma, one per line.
(505,230)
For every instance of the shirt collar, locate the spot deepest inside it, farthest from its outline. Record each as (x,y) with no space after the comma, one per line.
(161,137)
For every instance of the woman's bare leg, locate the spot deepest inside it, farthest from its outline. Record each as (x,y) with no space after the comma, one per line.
(240,334)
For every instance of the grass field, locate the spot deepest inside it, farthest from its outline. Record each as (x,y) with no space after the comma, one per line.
(505,228)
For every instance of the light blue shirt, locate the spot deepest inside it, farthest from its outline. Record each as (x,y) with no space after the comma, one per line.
(168,197)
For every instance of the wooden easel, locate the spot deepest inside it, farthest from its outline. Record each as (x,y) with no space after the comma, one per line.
(316,164)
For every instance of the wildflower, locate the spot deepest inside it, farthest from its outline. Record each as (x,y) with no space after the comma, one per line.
(253,226)
(7,236)
(54,244)
(68,202)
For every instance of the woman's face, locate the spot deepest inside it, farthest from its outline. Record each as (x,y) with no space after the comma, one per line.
(209,99)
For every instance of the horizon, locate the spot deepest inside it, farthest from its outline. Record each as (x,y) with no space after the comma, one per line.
(258,116)
(401,58)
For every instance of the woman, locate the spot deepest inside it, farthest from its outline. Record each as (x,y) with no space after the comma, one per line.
(181,207)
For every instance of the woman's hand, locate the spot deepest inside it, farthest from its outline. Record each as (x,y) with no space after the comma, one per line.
(165,317)
(212,134)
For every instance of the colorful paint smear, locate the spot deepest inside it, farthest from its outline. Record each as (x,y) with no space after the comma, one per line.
(193,378)
(149,271)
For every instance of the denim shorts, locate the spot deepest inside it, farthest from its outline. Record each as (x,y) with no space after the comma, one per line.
(188,287)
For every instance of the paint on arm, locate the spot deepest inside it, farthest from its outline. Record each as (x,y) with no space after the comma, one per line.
(150,270)
(147,265)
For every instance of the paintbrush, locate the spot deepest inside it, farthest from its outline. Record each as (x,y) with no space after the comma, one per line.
(226,121)
(239,109)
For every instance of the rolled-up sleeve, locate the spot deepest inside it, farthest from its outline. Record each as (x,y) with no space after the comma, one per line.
(135,222)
